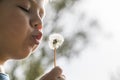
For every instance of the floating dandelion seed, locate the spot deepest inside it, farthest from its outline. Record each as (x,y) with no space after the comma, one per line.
(55,41)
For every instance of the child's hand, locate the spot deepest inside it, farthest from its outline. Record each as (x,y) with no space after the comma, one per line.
(54,74)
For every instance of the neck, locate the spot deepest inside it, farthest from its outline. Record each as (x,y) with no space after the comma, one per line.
(2,61)
(2,69)
(1,66)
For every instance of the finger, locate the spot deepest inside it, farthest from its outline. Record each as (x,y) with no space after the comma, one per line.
(57,71)
(62,77)
(43,77)
(53,74)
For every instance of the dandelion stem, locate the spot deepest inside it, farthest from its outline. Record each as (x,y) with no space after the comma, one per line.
(54,57)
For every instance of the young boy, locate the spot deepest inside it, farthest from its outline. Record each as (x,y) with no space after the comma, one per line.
(20,32)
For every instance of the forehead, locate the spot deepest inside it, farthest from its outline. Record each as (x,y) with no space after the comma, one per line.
(37,1)
(40,2)
(14,1)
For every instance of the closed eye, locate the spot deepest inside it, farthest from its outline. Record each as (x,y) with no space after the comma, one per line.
(24,9)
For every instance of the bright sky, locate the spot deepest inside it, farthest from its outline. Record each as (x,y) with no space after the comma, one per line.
(101,59)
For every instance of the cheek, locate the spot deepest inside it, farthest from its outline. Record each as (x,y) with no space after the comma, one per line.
(15,29)
(14,34)
(17,25)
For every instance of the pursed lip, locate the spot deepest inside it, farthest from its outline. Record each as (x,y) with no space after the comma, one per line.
(37,37)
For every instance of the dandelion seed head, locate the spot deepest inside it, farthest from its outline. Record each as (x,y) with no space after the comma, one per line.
(55,40)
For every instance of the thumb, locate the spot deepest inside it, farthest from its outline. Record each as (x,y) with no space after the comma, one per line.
(53,74)
(57,71)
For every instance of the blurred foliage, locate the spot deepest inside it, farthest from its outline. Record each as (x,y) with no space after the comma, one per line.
(61,17)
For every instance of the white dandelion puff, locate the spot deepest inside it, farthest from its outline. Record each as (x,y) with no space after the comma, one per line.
(55,40)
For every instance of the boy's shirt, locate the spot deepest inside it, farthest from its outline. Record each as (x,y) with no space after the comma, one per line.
(4,76)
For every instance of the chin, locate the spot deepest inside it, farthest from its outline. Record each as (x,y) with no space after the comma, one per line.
(28,52)
(35,48)
(22,55)
(25,53)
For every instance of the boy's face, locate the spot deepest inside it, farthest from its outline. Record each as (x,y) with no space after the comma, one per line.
(20,27)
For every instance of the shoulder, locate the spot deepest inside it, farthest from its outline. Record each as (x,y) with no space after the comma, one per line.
(4,76)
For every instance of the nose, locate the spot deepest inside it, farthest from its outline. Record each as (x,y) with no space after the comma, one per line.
(36,23)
